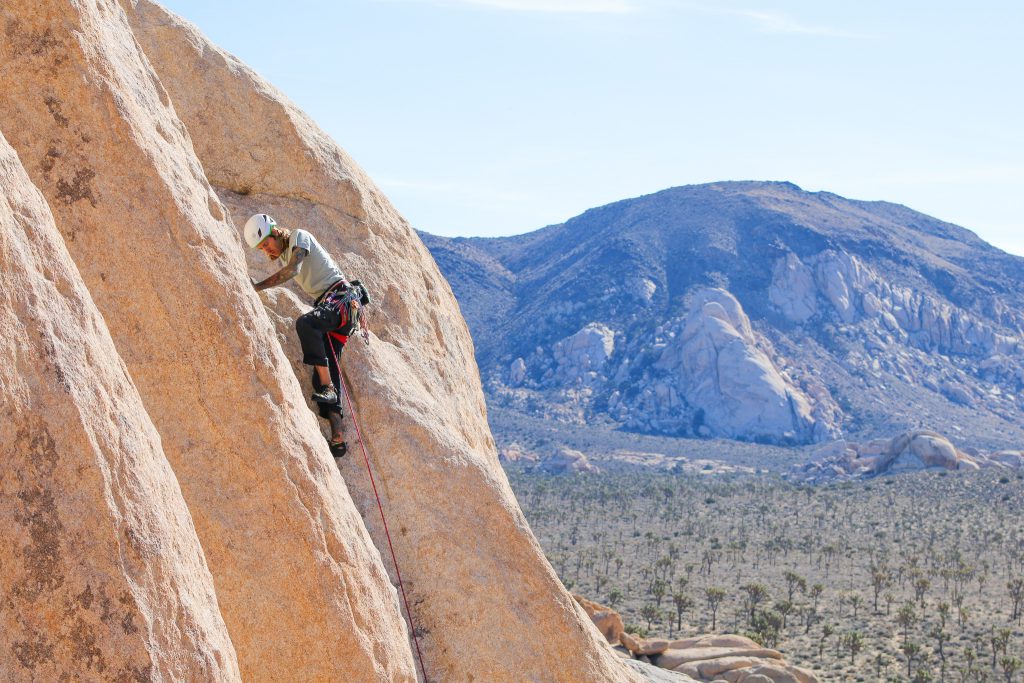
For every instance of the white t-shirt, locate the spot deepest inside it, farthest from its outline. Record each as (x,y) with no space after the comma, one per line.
(317,272)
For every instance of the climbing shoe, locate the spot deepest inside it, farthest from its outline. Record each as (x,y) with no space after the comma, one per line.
(325,394)
(339,449)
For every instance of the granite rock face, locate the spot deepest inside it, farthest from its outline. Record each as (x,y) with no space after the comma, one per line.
(295,571)
(581,356)
(416,386)
(102,574)
(717,364)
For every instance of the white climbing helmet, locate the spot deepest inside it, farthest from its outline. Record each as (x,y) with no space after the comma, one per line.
(258,228)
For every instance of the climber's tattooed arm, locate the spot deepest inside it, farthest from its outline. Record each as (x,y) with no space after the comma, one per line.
(285,274)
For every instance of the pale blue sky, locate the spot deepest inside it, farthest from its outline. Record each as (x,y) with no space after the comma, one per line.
(493,117)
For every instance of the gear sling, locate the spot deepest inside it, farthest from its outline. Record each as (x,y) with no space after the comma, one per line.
(336,315)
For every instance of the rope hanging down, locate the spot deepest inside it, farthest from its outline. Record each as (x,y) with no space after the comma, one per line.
(366,459)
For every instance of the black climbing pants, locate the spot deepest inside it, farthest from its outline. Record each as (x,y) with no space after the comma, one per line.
(312,329)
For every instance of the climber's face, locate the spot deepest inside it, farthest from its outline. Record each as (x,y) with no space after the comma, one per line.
(272,247)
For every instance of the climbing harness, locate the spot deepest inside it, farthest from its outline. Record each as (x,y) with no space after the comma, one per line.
(380,506)
(349,301)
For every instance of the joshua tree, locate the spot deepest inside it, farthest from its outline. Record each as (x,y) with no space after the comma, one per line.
(1010,665)
(854,643)
(855,601)
(940,637)
(962,615)
(889,599)
(910,651)
(906,618)
(922,675)
(785,608)
(967,671)
(766,625)
(921,586)
(943,614)
(879,663)
(614,597)
(683,603)
(658,590)
(880,579)
(1016,588)
(815,593)
(650,613)
(714,597)
(999,642)
(826,632)
(793,582)
(756,594)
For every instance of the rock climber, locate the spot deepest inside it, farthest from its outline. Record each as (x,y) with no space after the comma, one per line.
(335,309)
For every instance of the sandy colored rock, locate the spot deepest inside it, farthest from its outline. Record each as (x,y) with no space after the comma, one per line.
(653,646)
(607,620)
(671,658)
(631,642)
(721,666)
(653,674)
(771,673)
(755,678)
(462,542)
(727,640)
(102,574)
(295,572)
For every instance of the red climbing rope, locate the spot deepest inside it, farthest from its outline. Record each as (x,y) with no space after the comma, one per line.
(359,436)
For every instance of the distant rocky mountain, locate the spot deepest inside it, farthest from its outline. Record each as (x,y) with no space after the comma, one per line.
(749,310)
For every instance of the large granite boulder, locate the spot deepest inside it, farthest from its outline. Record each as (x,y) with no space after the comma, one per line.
(607,620)
(416,385)
(101,574)
(583,355)
(723,371)
(295,570)
(566,461)
(907,452)
(709,657)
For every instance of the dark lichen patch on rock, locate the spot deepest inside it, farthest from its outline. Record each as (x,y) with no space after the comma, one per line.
(80,187)
(53,105)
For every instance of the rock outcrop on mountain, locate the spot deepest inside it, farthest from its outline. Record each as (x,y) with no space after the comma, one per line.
(714,362)
(910,451)
(866,318)
(102,572)
(416,385)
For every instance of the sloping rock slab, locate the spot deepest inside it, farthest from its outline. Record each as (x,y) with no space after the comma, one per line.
(653,674)
(102,574)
